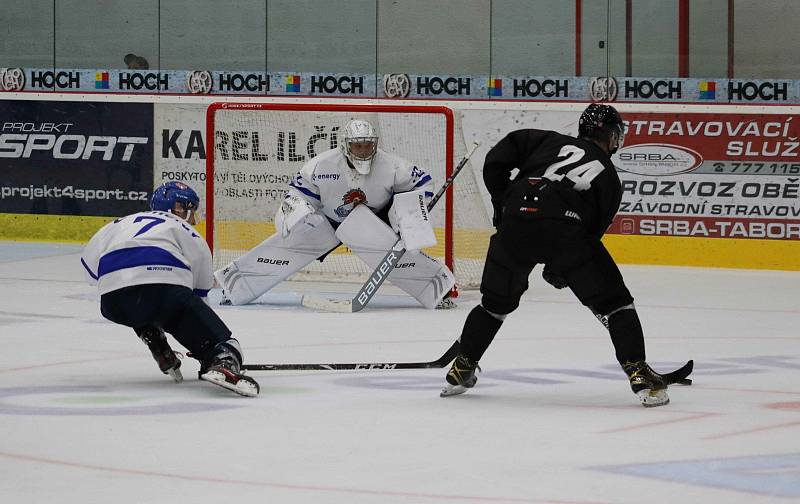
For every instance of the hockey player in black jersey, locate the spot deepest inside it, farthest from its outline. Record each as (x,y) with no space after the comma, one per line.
(554,212)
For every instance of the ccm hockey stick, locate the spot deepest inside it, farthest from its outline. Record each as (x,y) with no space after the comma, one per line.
(678,377)
(441,362)
(385,267)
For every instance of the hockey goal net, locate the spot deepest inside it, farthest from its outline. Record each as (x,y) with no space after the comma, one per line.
(254,150)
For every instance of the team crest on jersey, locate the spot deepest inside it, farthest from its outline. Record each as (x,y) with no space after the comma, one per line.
(350,200)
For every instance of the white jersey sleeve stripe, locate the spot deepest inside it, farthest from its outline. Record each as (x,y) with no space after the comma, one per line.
(306,192)
(137,256)
(299,184)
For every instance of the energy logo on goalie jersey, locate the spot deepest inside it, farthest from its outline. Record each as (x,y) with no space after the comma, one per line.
(351,199)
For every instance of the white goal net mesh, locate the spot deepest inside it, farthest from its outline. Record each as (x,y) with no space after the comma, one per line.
(257,149)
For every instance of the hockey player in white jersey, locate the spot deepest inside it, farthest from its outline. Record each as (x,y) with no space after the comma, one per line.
(153,272)
(346,195)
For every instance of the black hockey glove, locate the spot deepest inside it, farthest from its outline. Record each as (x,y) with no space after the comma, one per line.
(553,278)
(497,216)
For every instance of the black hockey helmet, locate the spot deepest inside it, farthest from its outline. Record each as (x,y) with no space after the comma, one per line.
(602,122)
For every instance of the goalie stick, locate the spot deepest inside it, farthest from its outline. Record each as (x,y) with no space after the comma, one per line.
(441,362)
(385,267)
(678,377)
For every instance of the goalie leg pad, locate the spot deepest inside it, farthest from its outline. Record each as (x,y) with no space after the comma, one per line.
(274,259)
(419,275)
(423,277)
(363,230)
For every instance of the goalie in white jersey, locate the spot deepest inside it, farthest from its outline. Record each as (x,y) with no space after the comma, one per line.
(344,195)
(153,272)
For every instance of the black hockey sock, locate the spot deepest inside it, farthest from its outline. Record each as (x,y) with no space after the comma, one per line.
(626,335)
(478,333)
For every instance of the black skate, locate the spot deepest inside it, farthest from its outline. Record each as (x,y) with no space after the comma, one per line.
(225,371)
(648,385)
(167,360)
(460,377)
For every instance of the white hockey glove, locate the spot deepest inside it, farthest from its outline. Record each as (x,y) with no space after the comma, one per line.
(409,217)
(293,210)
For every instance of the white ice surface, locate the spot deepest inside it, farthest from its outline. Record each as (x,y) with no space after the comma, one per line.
(86,417)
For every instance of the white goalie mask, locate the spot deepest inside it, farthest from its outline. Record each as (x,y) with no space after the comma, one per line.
(359,144)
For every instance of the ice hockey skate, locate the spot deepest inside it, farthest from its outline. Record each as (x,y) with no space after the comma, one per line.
(168,361)
(224,370)
(447,302)
(219,281)
(461,376)
(648,385)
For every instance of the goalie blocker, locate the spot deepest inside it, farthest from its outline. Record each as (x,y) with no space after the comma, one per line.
(409,217)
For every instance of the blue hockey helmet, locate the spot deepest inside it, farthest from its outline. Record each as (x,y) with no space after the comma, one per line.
(167,194)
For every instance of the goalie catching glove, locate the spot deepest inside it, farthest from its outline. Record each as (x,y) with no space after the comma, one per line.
(293,210)
(409,218)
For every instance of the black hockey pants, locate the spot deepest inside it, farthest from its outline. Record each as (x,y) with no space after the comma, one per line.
(582,260)
(173,308)
(578,257)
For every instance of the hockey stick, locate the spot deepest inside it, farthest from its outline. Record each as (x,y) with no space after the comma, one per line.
(441,362)
(680,376)
(677,377)
(386,265)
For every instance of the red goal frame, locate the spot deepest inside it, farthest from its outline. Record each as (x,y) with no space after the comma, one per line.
(333,107)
